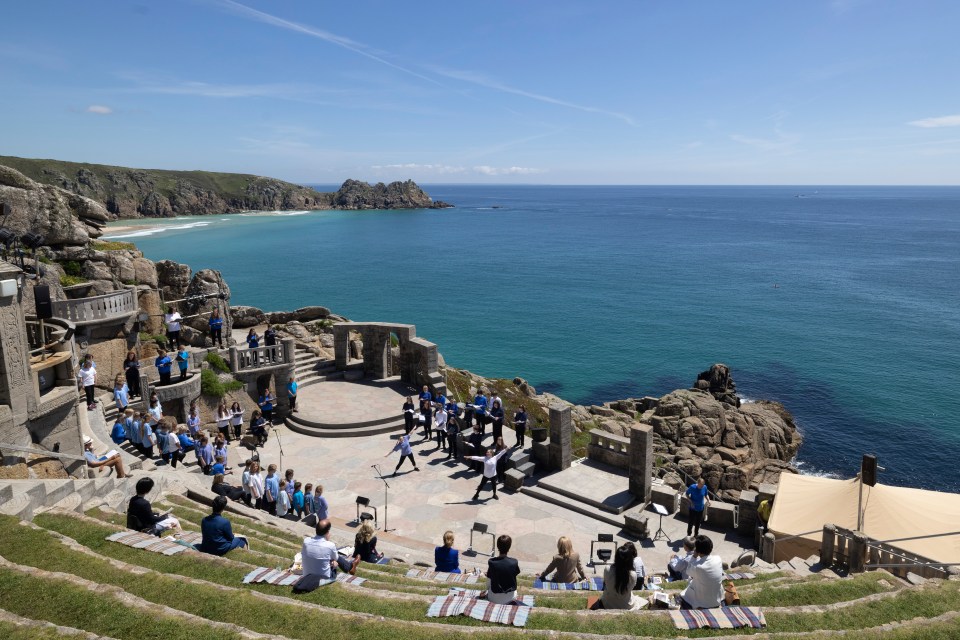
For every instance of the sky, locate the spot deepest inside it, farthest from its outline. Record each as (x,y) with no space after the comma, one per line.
(500,91)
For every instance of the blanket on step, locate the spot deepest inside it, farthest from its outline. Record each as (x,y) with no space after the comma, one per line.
(590,584)
(462,602)
(168,546)
(441,576)
(719,618)
(284,578)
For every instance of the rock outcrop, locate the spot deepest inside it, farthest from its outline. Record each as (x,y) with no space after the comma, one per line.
(354,195)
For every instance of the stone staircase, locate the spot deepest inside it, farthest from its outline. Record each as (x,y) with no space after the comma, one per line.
(311,369)
(306,426)
(25,498)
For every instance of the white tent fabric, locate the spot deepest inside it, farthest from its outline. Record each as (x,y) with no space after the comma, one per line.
(806,503)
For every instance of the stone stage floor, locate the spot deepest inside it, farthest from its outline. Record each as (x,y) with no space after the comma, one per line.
(424,504)
(343,402)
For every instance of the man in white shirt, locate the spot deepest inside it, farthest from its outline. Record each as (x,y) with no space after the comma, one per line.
(319,555)
(489,471)
(172,320)
(705,590)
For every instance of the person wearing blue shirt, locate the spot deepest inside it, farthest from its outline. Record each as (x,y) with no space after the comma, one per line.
(271,486)
(292,394)
(425,397)
(121,395)
(119,432)
(265,402)
(216,328)
(186,442)
(163,364)
(183,361)
(480,410)
(403,446)
(320,506)
(218,538)
(446,557)
(699,501)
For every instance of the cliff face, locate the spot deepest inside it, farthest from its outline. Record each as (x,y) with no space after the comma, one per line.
(136,193)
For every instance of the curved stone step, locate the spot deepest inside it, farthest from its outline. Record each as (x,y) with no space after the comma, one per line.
(20,505)
(343,431)
(319,424)
(73,502)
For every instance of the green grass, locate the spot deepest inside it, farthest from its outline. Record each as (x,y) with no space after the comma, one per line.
(217,363)
(211,385)
(106,245)
(69,281)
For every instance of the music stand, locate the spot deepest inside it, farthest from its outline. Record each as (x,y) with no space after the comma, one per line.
(661,511)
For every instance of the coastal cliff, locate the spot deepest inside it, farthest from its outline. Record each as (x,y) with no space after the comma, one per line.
(154,193)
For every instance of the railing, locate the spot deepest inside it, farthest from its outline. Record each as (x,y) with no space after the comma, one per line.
(861,553)
(98,308)
(256,358)
(40,452)
(609,448)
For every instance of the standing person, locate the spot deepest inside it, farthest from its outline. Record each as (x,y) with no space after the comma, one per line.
(121,394)
(298,503)
(408,412)
(183,361)
(619,580)
(256,485)
(216,328)
(763,514)
(308,508)
(403,446)
(172,448)
(475,440)
(224,416)
(269,338)
(426,412)
(236,419)
(320,506)
(253,341)
(283,501)
(265,402)
(496,414)
(699,500)
(452,431)
(425,397)
(480,410)
(131,371)
(502,572)
(147,438)
(258,427)
(88,379)
(163,364)
(220,450)
(193,422)
(446,558)
(566,564)
(520,425)
(292,387)
(205,454)
(489,471)
(154,411)
(217,534)
(498,446)
(288,476)
(172,319)
(705,590)
(271,490)
(441,428)
(245,482)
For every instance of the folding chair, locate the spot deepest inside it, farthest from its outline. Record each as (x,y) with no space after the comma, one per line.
(481,528)
(603,556)
(364,516)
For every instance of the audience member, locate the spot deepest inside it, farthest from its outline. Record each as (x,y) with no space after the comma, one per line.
(173,451)
(147,438)
(221,488)
(502,572)
(318,554)
(186,442)
(119,432)
(619,580)
(205,454)
(365,547)
(106,462)
(705,590)
(193,422)
(566,564)
(218,538)
(218,467)
(245,482)
(140,515)
(699,501)
(288,476)
(678,567)
(445,556)
(220,449)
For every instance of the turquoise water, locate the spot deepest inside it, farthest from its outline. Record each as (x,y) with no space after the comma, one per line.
(841,303)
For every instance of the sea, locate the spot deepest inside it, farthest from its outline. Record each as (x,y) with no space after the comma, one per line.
(840,302)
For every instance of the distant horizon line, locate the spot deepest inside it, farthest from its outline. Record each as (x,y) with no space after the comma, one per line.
(645,184)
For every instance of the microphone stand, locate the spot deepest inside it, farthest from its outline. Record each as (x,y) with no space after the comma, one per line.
(386,491)
(277,433)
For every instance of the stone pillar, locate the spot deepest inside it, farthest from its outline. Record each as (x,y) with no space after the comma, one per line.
(145,389)
(289,350)
(768,548)
(561,436)
(16,380)
(858,552)
(828,545)
(641,461)
(234,359)
(341,346)
(748,512)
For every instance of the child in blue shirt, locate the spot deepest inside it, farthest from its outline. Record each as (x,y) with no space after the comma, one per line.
(183,359)
(297,500)
(308,499)
(217,467)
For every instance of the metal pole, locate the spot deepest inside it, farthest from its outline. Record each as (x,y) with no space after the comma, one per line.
(860,503)
(43,342)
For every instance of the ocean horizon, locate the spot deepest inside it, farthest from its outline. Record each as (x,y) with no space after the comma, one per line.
(838,301)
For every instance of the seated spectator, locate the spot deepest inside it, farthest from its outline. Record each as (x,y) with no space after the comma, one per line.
(218,538)
(186,442)
(619,580)
(221,488)
(566,564)
(502,572)
(98,462)
(119,432)
(319,555)
(218,466)
(678,568)
(446,557)
(140,515)
(365,547)
(705,590)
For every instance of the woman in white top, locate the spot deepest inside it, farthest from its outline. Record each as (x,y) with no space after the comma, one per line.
(236,419)
(619,580)
(256,485)
(223,420)
(154,412)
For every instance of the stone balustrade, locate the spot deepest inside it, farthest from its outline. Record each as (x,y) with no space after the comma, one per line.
(111,307)
(260,358)
(609,448)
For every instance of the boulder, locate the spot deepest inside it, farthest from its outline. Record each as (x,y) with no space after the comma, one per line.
(719,383)
(243,317)
(173,279)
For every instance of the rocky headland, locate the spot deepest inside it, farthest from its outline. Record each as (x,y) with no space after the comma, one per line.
(154,193)
(701,431)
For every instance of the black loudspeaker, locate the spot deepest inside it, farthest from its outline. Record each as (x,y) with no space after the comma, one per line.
(41,294)
(868,470)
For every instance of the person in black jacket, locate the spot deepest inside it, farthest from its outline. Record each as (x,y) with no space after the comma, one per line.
(502,572)
(140,515)
(221,488)
(475,440)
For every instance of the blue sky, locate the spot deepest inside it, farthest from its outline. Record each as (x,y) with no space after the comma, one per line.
(552,92)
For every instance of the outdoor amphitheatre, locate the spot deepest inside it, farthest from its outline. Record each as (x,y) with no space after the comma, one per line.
(799,557)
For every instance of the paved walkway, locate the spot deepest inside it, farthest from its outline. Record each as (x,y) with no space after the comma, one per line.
(342,402)
(424,504)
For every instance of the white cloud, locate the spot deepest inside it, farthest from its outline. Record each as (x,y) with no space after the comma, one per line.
(413,166)
(506,171)
(933,123)
(99,109)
